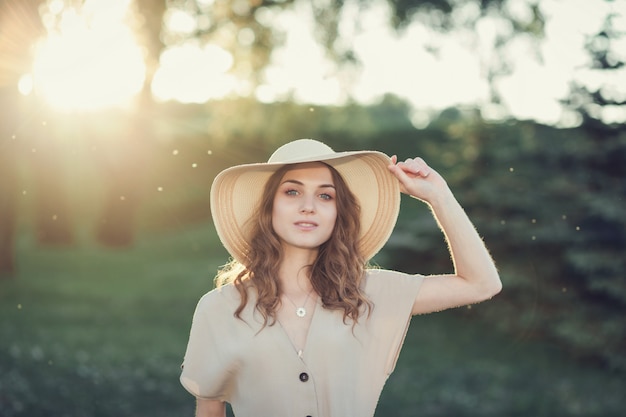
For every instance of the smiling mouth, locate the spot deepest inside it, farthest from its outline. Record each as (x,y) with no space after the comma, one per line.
(307,225)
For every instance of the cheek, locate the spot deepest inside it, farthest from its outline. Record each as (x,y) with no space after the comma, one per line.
(331,214)
(275,213)
(279,212)
(278,206)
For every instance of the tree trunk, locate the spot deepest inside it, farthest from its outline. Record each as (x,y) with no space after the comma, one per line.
(8,185)
(19,26)
(123,161)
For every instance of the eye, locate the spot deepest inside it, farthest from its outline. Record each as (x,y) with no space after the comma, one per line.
(325,196)
(291,191)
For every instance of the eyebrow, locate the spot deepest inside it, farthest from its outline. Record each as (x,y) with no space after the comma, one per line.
(301,183)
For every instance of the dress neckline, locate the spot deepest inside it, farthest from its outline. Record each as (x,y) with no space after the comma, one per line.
(301,351)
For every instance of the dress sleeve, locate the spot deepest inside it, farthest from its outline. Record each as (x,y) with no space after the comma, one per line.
(207,370)
(393,294)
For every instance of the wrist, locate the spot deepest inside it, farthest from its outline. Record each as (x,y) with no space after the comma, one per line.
(442,199)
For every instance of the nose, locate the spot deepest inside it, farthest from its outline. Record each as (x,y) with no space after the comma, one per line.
(308,205)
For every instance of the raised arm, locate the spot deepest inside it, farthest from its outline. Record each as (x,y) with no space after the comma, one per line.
(475,275)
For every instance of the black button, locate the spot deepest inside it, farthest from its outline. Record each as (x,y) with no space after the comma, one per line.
(304,377)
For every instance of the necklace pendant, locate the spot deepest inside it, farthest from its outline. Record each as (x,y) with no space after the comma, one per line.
(300,312)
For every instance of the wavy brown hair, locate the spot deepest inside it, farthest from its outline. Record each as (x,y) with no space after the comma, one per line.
(336,274)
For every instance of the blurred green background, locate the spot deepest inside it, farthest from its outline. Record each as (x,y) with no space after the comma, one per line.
(106,240)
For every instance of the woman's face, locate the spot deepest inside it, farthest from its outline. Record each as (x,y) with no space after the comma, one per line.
(304,208)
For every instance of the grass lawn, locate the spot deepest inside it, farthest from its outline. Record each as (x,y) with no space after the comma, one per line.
(92,332)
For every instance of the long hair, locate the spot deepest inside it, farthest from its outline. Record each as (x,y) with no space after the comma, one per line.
(336,274)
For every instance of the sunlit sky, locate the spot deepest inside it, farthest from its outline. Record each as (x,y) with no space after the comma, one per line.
(90,60)
(402,65)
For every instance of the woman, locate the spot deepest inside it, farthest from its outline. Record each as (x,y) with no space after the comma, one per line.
(298,325)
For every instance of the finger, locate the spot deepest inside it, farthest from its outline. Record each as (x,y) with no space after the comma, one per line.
(415,166)
(400,174)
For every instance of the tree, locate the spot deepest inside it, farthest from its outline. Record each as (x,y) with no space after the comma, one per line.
(247,28)
(19,26)
(595,258)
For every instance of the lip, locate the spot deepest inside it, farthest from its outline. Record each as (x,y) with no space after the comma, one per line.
(306,225)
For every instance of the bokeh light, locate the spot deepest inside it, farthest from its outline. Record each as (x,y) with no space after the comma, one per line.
(191,73)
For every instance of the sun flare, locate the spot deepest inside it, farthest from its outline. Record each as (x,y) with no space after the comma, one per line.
(89,59)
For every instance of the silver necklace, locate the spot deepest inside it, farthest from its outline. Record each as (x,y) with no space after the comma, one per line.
(300,311)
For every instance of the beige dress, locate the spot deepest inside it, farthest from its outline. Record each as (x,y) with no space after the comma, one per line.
(338,374)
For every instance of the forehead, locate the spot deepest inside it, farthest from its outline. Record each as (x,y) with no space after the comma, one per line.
(309,171)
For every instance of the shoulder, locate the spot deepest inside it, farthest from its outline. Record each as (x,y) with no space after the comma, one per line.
(380,284)
(375,278)
(220,304)
(218,299)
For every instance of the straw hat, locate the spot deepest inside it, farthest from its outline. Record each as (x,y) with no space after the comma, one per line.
(236,193)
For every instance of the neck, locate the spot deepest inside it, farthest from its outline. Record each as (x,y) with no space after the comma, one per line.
(294,271)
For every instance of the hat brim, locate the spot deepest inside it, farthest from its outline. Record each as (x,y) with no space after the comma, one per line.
(236,192)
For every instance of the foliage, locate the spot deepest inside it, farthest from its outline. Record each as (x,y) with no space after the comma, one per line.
(550,205)
(600,104)
(249,30)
